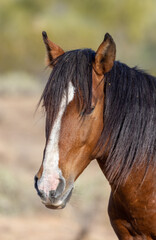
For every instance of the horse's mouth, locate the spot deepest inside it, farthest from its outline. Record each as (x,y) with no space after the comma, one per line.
(61,202)
(57,206)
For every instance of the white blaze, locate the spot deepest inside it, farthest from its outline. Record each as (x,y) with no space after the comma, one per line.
(50,175)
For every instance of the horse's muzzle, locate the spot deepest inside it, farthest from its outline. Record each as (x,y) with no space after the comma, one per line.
(55,199)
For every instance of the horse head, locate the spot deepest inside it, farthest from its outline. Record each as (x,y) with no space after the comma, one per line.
(74,103)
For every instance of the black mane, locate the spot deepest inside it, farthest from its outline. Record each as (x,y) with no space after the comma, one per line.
(74,66)
(129,112)
(129,121)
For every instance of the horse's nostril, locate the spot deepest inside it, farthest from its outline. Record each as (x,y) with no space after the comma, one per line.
(52,194)
(40,193)
(35,181)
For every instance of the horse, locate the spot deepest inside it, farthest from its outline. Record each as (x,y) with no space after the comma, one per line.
(99,108)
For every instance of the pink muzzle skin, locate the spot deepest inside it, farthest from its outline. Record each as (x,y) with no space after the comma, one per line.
(50,183)
(54,191)
(51,186)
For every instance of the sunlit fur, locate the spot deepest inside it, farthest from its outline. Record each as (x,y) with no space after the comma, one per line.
(129,114)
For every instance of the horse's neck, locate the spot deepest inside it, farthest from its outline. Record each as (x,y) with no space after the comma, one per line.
(137,179)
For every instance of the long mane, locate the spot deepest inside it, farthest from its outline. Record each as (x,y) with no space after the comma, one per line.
(129,134)
(129,121)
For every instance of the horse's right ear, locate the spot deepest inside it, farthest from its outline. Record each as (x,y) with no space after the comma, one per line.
(53,50)
(105,55)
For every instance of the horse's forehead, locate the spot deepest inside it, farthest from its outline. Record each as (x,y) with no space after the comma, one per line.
(66,99)
(71,91)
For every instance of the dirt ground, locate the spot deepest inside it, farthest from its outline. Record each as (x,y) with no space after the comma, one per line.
(22,216)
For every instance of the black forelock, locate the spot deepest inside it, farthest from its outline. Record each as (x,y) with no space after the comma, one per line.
(75,67)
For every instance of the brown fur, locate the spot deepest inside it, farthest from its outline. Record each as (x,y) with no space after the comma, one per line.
(132,206)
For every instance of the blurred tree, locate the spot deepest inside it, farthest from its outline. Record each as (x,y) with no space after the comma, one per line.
(72,24)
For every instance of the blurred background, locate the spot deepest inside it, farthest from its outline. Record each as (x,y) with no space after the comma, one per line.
(71,24)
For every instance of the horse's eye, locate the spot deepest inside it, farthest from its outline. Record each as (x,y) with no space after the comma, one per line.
(91,110)
(87,112)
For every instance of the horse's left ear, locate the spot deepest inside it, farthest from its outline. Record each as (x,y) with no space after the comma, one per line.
(53,50)
(105,55)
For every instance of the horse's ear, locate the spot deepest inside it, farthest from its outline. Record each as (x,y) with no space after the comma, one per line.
(105,55)
(53,50)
